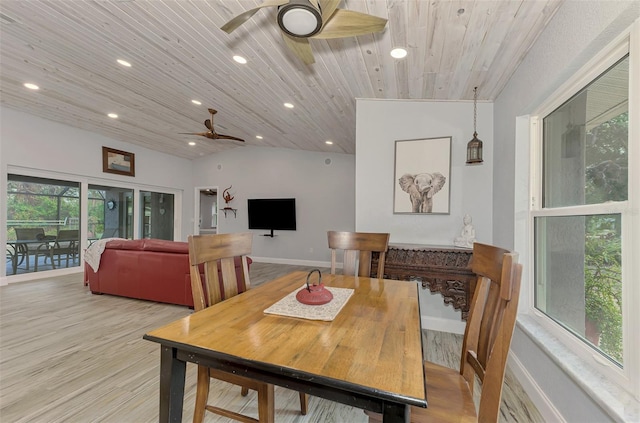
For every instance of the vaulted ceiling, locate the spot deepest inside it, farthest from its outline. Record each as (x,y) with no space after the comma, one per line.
(179,53)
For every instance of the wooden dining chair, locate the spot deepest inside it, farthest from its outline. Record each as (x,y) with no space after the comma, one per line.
(216,255)
(485,346)
(357,248)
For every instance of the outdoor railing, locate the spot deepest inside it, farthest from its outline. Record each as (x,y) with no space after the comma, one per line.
(35,223)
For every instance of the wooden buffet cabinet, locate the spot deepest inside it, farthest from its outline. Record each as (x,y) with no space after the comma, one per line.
(443,269)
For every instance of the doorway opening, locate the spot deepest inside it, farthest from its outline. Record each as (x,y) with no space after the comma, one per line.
(207,208)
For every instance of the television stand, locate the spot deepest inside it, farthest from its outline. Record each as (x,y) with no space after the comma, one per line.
(271,234)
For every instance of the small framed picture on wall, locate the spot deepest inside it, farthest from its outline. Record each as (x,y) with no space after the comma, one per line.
(119,162)
(422,174)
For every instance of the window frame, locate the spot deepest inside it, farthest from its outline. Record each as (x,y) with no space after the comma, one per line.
(628,376)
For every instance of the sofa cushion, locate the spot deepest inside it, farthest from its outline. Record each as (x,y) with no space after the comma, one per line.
(158,245)
(166,246)
(124,244)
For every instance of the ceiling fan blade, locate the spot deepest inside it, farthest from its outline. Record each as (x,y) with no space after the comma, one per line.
(234,23)
(328,7)
(211,134)
(347,23)
(203,134)
(227,137)
(300,47)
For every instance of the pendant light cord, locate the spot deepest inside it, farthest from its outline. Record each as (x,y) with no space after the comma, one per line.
(475,110)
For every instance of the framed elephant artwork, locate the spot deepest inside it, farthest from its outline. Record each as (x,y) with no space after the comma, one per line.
(422,176)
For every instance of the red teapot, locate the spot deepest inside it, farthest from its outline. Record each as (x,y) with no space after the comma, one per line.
(314,294)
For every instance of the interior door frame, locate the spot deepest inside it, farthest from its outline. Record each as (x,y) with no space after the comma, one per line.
(196,208)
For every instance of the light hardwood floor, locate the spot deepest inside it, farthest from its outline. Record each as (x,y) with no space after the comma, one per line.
(69,356)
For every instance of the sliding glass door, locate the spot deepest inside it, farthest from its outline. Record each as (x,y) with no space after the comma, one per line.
(157,215)
(110,212)
(43,222)
(47,227)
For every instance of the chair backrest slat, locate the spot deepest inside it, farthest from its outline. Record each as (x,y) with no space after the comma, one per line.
(349,259)
(215,256)
(358,248)
(490,324)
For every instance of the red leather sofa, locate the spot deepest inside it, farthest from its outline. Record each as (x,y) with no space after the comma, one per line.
(147,269)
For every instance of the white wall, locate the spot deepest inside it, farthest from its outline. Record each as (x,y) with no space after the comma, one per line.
(324,196)
(39,144)
(576,33)
(379,124)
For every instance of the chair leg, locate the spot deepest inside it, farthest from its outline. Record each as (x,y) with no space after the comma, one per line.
(245,391)
(266,408)
(304,403)
(202,394)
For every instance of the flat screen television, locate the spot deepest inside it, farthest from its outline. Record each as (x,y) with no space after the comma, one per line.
(272,214)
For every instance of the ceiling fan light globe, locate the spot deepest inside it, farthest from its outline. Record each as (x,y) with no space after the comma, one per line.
(299,20)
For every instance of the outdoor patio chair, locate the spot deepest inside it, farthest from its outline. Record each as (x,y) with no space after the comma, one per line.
(66,245)
(32,241)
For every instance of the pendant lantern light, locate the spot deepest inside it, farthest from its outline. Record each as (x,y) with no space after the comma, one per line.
(474,147)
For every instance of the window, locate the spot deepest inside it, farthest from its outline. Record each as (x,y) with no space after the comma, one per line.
(579,254)
(582,216)
(43,207)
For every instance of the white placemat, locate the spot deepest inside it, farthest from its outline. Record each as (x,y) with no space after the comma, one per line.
(291,307)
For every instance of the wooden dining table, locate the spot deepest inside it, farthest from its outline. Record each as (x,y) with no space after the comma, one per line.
(369,356)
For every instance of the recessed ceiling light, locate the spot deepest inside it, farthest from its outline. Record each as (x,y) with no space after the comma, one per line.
(288,105)
(398,53)
(196,102)
(192,143)
(328,142)
(112,115)
(31,86)
(124,63)
(259,137)
(240,59)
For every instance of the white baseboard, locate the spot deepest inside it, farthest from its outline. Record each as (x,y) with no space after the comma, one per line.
(25,277)
(292,261)
(442,325)
(546,408)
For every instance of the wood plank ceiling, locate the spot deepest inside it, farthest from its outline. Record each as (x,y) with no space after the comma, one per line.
(178,53)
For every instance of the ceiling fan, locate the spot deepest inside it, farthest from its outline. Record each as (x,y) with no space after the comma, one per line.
(300,20)
(212,134)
